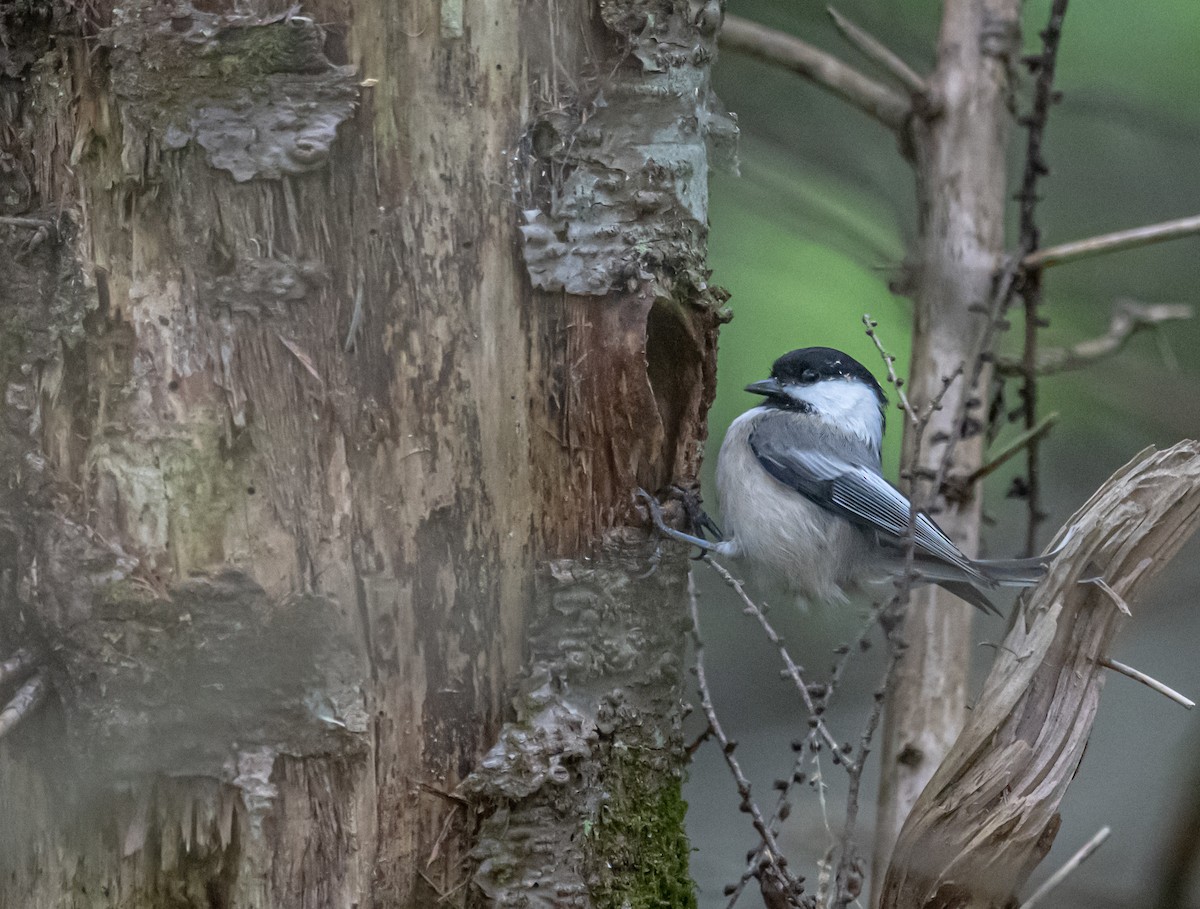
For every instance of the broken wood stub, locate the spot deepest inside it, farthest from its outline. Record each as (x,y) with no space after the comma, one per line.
(989,815)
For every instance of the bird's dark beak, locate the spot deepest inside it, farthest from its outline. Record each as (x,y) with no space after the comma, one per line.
(767,388)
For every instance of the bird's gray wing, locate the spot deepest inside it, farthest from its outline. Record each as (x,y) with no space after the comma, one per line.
(850,488)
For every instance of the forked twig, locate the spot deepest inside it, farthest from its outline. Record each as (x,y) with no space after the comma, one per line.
(876,50)
(875,99)
(1128,318)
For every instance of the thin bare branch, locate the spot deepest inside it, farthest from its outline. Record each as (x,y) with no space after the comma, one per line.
(849,870)
(1149,681)
(1011,449)
(793,671)
(1068,867)
(889,362)
(876,50)
(875,99)
(1114,242)
(774,856)
(34,223)
(804,747)
(27,698)
(1128,318)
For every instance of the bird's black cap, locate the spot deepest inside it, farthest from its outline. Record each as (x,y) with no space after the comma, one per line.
(812,364)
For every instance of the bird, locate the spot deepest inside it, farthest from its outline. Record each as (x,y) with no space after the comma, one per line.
(804,500)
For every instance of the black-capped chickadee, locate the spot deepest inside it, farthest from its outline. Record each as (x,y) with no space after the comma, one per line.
(803,496)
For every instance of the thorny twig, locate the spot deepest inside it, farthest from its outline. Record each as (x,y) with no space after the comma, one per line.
(1030,287)
(793,671)
(889,362)
(920,421)
(849,872)
(808,745)
(775,865)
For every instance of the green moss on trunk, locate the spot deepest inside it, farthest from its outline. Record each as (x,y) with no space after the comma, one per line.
(639,853)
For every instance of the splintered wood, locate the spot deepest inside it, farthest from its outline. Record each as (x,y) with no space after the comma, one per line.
(990,813)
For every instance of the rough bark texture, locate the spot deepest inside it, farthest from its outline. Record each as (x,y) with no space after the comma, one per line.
(582,792)
(989,815)
(286,433)
(961,192)
(581,795)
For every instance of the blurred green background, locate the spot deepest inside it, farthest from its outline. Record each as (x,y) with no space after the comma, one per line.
(806,240)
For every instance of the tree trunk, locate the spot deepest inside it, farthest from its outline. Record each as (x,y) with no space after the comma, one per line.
(961,192)
(287,431)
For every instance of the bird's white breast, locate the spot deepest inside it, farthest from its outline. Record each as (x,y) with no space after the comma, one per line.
(811,550)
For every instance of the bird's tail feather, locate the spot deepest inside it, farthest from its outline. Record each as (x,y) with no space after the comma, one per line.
(965,591)
(1014,572)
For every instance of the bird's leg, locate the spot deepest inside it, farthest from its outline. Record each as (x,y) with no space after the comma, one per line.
(697,518)
(656,518)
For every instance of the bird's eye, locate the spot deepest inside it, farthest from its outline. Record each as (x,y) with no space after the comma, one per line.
(808,376)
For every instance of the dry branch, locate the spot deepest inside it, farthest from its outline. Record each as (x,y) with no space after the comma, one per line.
(873,98)
(22,704)
(17,666)
(1114,242)
(989,814)
(1068,868)
(1149,681)
(876,50)
(1128,318)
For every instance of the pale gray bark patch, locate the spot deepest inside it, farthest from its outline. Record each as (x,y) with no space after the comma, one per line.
(257,94)
(615,184)
(165,684)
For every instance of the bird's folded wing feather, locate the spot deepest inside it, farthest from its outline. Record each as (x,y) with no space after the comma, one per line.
(855,491)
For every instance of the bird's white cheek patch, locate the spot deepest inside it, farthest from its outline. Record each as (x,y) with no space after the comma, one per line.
(852,406)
